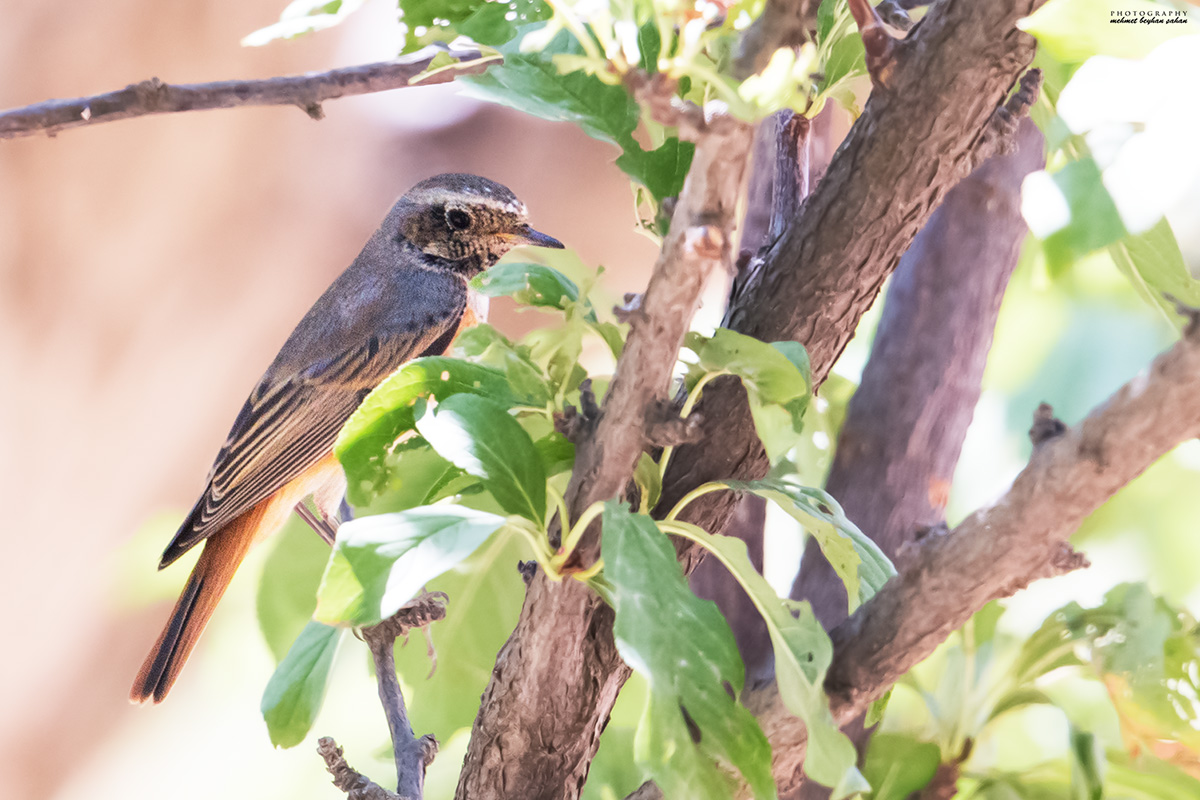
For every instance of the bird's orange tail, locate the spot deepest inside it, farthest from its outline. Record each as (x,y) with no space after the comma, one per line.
(223,552)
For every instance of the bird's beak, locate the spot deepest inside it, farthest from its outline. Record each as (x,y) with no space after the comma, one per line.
(527,235)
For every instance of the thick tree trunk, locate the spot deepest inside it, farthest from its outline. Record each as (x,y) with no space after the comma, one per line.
(906,423)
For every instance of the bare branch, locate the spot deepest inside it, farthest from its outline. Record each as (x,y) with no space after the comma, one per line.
(412,755)
(1001,549)
(152,96)
(700,240)
(356,785)
(904,427)
(558,675)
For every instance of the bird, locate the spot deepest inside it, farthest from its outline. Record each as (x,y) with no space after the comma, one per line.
(406,295)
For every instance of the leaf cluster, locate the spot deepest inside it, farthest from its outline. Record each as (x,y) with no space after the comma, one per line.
(452,452)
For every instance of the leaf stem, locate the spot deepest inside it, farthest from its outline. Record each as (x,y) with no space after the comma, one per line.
(537,541)
(576,531)
(699,491)
(560,503)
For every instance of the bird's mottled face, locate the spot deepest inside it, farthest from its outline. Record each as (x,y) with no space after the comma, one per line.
(466,219)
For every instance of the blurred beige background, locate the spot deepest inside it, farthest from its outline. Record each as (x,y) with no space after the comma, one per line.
(150,269)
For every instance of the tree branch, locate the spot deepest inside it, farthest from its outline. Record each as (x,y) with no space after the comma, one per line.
(905,425)
(911,145)
(557,677)
(946,578)
(345,777)
(152,96)
(412,754)
(904,428)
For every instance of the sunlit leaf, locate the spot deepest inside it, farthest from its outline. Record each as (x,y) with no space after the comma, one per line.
(529,284)
(368,436)
(777,378)
(381,562)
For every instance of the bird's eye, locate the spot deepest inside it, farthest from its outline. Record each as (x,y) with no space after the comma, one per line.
(458,219)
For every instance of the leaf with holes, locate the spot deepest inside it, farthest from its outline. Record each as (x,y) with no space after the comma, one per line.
(369,435)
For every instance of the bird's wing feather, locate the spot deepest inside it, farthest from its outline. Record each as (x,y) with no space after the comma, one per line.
(290,422)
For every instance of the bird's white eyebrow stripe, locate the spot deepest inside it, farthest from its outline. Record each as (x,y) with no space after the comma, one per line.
(440,196)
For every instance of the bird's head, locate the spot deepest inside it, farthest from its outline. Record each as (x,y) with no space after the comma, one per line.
(465,219)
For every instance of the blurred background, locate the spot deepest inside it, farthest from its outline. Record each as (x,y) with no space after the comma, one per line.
(151,268)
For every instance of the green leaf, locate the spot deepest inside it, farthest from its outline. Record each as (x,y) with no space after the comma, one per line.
(649,480)
(857,560)
(534,84)
(480,437)
(1087,766)
(380,563)
(297,688)
(1153,258)
(803,653)
(529,284)
(1145,649)
(662,170)
(777,377)
(485,345)
(496,23)
(899,766)
(685,650)
(877,709)
(415,476)
(556,452)
(287,590)
(387,412)
(488,23)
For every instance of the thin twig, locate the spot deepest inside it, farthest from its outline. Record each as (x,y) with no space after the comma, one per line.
(152,96)
(322,527)
(345,777)
(412,754)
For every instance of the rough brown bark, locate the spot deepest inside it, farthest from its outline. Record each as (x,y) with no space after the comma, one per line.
(906,423)
(557,677)
(945,578)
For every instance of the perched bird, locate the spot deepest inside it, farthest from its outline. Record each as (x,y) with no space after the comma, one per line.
(406,295)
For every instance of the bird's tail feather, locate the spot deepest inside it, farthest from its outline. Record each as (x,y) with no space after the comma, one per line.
(223,552)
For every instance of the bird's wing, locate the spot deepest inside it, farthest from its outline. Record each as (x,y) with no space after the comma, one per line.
(290,422)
